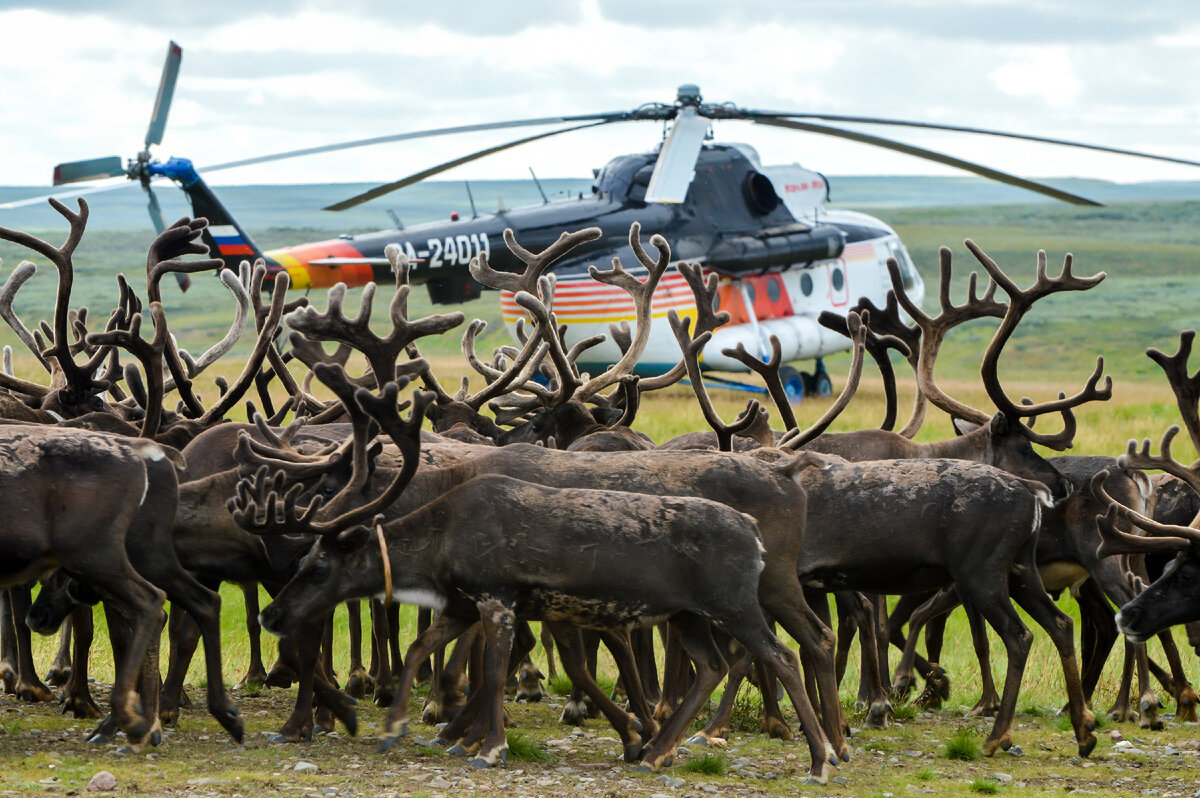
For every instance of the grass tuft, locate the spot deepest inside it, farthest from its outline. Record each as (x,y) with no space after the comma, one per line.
(707,764)
(925,774)
(1034,711)
(747,709)
(963,745)
(904,712)
(985,786)
(524,749)
(560,684)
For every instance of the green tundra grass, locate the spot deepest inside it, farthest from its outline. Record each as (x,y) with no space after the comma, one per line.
(1149,251)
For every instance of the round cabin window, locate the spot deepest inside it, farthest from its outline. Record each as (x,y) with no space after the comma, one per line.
(839,280)
(806,284)
(773,289)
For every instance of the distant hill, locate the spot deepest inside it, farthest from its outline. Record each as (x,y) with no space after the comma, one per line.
(298,206)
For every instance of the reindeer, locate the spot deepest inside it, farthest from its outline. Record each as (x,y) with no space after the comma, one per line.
(574,566)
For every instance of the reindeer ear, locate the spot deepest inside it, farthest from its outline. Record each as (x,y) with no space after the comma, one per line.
(352,539)
(962,426)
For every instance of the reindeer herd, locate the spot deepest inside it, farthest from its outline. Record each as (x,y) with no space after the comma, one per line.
(535,499)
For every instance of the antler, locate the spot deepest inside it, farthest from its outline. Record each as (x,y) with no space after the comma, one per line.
(704,289)
(1166,537)
(381,353)
(643,297)
(691,353)
(857,327)
(1164,461)
(1186,388)
(261,506)
(1019,302)
(149,353)
(934,329)
(535,263)
(8,292)
(887,330)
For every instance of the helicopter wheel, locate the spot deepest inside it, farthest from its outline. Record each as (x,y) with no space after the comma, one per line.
(818,383)
(795,386)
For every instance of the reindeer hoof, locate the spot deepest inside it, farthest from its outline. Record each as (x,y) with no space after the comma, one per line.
(1185,708)
(878,714)
(57,677)
(458,750)
(775,729)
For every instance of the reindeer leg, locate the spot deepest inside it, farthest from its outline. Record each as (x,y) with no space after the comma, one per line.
(60,669)
(183,635)
(424,618)
(940,603)
(438,634)
(381,633)
(641,643)
(29,686)
(624,654)
(716,733)
(1185,695)
(298,652)
(766,647)
(1122,709)
(1148,703)
(784,600)
(992,601)
(847,628)
(695,636)
(451,694)
(1099,633)
(989,700)
(256,674)
(1029,593)
(571,648)
(529,678)
(8,645)
(578,707)
(77,698)
(358,681)
(547,641)
(937,682)
(862,615)
(499,627)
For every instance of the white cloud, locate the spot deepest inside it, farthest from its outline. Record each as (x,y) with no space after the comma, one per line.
(1042,72)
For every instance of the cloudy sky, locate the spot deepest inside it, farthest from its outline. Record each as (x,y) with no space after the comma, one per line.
(78,80)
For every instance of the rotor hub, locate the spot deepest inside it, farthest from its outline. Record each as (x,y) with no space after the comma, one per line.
(688,94)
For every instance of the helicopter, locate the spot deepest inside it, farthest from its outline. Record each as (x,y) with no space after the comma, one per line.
(782,256)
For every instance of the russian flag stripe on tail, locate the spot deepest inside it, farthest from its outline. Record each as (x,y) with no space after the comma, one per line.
(229,240)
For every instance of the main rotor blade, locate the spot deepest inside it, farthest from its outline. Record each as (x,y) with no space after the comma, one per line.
(871,120)
(156,217)
(676,164)
(386,188)
(66,196)
(930,155)
(91,169)
(166,90)
(615,116)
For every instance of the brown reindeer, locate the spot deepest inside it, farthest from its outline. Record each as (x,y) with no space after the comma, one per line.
(573,566)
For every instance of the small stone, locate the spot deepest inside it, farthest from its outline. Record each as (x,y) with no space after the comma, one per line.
(670,781)
(661,795)
(102,782)
(1116,736)
(1171,750)
(709,788)
(914,754)
(1016,750)
(840,780)
(206,781)
(1003,778)
(305,767)
(438,783)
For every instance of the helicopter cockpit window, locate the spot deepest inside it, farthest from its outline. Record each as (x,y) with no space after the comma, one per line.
(908,272)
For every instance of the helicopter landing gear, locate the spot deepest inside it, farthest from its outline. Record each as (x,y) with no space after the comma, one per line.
(818,383)
(795,384)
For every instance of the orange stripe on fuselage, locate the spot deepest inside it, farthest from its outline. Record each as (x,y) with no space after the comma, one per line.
(298,262)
